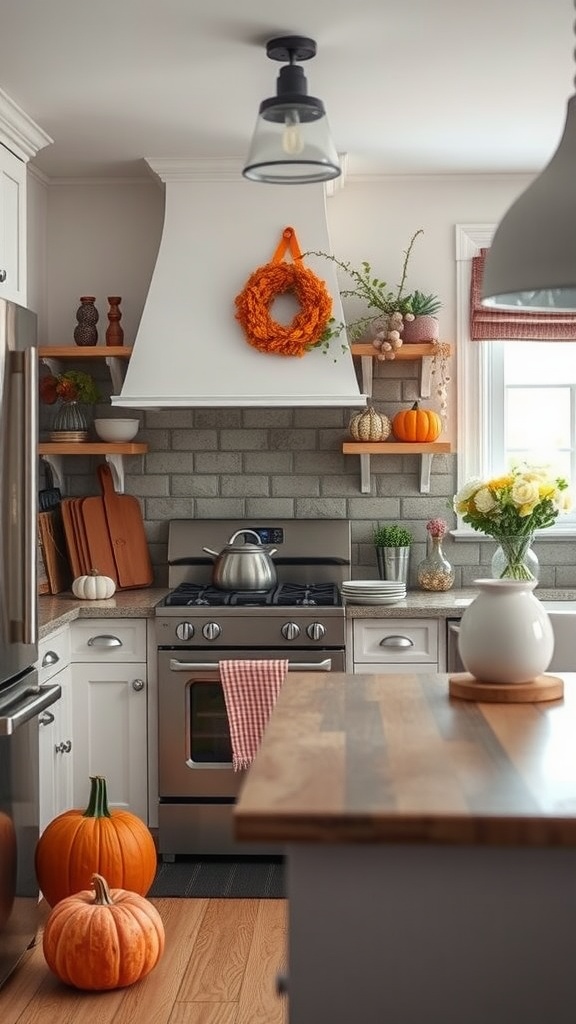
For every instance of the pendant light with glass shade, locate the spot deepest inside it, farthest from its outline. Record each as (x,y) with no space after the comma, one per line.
(292,144)
(531,263)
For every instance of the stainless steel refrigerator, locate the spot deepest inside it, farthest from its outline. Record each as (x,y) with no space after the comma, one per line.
(22,700)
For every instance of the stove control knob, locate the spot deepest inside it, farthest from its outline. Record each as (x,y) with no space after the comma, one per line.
(211,631)
(184,630)
(290,631)
(315,631)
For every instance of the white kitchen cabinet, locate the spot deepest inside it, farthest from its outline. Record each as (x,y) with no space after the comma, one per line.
(12,227)
(397,645)
(110,710)
(56,748)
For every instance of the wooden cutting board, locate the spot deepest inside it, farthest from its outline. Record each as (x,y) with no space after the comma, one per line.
(98,537)
(81,542)
(70,535)
(127,534)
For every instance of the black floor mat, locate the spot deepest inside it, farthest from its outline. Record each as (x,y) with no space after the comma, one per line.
(221,878)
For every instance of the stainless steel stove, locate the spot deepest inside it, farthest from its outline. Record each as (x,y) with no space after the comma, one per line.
(300,619)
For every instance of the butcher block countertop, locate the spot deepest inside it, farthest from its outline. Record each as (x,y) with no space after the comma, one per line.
(394,759)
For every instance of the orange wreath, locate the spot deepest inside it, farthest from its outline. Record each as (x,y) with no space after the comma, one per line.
(273,279)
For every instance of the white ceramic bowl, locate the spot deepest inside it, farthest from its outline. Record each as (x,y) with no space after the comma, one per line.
(116,430)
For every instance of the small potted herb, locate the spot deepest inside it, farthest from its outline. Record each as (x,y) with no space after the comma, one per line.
(392,545)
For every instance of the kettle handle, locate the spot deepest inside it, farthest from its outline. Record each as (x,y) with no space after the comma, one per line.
(210,552)
(239,533)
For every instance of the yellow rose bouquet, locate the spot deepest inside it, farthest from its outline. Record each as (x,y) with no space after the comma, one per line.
(511,508)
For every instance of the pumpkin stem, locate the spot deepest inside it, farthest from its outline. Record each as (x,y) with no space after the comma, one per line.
(98,802)
(102,896)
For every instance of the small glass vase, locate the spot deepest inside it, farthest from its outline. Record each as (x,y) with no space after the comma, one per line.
(435,572)
(514,559)
(70,423)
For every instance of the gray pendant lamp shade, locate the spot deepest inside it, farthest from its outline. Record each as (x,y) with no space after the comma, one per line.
(291,144)
(531,263)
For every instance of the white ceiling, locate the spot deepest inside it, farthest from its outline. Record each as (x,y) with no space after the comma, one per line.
(410,86)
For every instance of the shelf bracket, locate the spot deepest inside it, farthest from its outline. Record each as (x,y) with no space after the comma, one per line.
(116,373)
(426,376)
(57,467)
(365,481)
(367,368)
(116,463)
(425,470)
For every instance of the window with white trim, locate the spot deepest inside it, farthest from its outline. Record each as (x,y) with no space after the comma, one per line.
(516,400)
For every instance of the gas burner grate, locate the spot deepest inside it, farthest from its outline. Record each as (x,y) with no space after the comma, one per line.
(286,594)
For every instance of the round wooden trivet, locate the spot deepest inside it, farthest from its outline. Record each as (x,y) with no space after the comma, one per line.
(465,686)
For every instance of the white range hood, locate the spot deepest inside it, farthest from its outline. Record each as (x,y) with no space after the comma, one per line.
(190,350)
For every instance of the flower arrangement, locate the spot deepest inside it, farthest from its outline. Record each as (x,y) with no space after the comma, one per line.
(72,386)
(511,508)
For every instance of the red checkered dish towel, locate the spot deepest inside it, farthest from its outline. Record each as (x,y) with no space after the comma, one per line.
(250,691)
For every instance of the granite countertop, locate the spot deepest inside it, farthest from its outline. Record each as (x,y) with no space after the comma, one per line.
(138,603)
(61,608)
(393,758)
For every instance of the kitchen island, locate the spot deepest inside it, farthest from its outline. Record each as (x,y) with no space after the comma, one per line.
(431,850)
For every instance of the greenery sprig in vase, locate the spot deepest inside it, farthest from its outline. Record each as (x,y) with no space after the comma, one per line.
(388,308)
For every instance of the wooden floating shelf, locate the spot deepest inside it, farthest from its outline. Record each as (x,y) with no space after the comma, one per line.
(405,352)
(85,351)
(394,447)
(91,448)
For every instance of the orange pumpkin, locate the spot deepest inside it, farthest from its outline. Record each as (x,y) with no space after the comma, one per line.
(116,844)
(416,424)
(103,939)
(7,867)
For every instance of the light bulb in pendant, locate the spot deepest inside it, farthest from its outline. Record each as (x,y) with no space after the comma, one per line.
(292,141)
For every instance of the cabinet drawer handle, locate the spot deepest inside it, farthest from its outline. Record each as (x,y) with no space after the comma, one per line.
(137,684)
(396,641)
(104,640)
(64,747)
(50,658)
(2,276)
(46,718)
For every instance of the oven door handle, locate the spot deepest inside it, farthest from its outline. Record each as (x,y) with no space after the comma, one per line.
(213,666)
(30,707)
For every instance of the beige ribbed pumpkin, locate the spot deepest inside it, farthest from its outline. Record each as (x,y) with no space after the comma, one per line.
(369,425)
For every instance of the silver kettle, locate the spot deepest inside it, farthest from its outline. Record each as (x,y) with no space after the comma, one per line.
(243,566)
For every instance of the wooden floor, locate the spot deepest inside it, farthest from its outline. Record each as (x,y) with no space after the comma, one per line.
(219,967)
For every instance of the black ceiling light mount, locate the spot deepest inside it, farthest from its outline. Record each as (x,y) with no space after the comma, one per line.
(292,144)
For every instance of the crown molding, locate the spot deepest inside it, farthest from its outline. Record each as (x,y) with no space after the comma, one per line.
(18,132)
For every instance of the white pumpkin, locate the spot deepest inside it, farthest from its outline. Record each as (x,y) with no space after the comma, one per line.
(93,587)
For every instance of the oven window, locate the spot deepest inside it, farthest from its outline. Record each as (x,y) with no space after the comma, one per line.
(209,731)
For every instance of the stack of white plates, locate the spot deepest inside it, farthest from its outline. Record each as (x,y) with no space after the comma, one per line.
(373,591)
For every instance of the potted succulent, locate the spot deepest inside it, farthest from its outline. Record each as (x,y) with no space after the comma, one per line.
(392,545)
(424,325)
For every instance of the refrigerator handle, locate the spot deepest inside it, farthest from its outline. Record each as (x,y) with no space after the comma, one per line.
(24,365)
(30,496)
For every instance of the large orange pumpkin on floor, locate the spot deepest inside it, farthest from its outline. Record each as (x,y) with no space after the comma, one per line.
(104,939)
(76,844)
(416,424)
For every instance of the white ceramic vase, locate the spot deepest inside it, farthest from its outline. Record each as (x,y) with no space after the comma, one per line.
(505,634)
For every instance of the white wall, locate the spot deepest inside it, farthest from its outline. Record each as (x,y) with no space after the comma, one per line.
(375,221)
(102,240)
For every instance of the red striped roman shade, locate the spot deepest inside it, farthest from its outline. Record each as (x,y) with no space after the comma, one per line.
(503,325)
